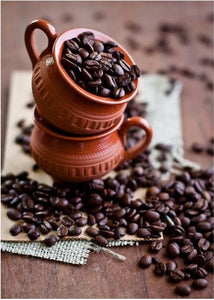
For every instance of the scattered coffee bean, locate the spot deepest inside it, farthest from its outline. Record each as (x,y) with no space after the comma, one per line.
(50,240)
(100,240)
(199,284)
(33,234)
(171,266)
(15,229)
(145,261)
(156,246)
(160,268)
(183,290)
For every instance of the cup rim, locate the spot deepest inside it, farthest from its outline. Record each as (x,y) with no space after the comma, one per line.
(66,136)
(57,53)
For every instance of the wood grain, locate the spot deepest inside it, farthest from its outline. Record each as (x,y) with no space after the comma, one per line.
(103,276)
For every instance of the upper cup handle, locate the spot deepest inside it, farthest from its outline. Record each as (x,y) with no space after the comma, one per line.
(141,145)
(30,44)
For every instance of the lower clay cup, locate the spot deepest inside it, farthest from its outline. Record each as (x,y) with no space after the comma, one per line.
(81,158)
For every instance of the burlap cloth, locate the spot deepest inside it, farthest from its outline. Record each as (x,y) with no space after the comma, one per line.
(165,118)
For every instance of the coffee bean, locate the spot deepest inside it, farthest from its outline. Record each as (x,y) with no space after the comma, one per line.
(15,229)
(72,45)
(62,231)
(143,232)
(145,261)
(152,216)
(91,231)
(81,222)
(173,250)
(33,234)
(203,244)
(50,240)
(104,92)
(118,92)
(177,275)
(156,246)
(26,227)
(183,290)
(132,228)
(100,240)
(171,266)
(204,226)
(160,268)
(74,230)
(14,214)
(199,284)
(119,232)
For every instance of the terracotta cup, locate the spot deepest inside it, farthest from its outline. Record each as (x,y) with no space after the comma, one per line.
(60,101)
(76,158)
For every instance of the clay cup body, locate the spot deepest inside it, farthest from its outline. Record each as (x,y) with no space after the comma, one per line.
(60,101)
(76,159)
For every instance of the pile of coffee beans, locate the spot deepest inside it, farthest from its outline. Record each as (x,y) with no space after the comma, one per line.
(189,231)
(40,209)
(98,67)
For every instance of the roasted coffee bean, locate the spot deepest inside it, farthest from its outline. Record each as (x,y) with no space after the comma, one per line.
(183,290)
(91,231)
(118,93)
(160,268)
(203,244)
(74,230)
(132,228)
(156,246)
(26,227)
(98,46)
(152,216)
(145,261)
(67,221)
(81,221)
(15,229)
(14,214)
(171,266)
(100,240)
(143,232)
(173,250)
(119,232)
(72,45)
(104,92)
(106,233)
(50,240)
(199,284)
(204,226)
(33,234)
(62,231)
(84,53)
(177,275)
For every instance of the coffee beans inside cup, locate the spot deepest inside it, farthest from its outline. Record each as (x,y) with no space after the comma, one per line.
(99,67)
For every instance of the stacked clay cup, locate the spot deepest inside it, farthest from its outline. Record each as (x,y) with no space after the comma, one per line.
(78,135)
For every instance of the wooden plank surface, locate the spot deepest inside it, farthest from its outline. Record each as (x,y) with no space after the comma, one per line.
(104,276)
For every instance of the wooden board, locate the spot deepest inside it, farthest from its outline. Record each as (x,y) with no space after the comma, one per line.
(103,276)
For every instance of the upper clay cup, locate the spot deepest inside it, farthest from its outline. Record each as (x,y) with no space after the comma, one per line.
(60,101)
(76,158)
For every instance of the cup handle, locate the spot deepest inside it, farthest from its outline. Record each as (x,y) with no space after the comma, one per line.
(141,145)
(30,44)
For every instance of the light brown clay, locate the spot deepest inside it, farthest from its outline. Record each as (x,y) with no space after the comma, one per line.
(60,101)
(76,159)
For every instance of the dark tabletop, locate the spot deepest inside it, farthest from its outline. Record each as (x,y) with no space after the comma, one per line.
(104,276)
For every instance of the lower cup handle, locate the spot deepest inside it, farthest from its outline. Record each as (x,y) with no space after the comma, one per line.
(142,144)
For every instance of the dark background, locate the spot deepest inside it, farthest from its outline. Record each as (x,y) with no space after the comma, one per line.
(103,276)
